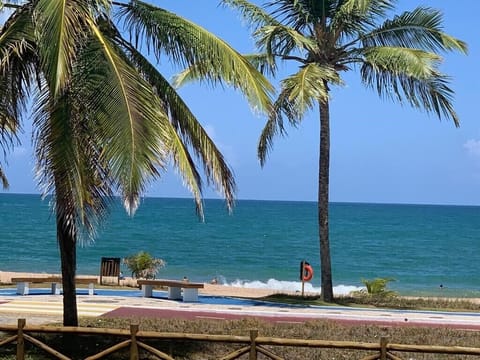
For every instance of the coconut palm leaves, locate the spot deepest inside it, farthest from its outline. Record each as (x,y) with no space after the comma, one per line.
(399,58)
(214,60)
(58,26)
(105,120)
(16,56)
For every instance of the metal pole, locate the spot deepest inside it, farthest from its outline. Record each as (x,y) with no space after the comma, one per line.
(301,277)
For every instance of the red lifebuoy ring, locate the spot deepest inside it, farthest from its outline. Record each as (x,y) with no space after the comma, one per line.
(307,272)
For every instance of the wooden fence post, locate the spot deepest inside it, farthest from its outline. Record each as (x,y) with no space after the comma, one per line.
(20,340)
(253,345)
(383,348)
(133,345)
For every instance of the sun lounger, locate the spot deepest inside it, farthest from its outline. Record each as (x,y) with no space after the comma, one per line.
(23,283)
(175,287)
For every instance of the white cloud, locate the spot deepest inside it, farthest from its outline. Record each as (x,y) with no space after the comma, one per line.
(473,147)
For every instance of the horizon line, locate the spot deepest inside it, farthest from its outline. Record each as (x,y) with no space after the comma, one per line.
(3,192)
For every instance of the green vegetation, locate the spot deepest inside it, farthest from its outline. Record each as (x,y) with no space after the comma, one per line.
(143,265)
(377,288)
(358,299)
(105,119)
(182,350)
(397,57)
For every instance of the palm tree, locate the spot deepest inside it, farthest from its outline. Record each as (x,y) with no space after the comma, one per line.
(105,120)
(396,57)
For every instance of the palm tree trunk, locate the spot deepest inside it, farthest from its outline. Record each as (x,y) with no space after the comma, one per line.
(323,202)
(66,236)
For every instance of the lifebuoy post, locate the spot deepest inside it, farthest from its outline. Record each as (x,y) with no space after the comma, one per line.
(302,272)
(306,274)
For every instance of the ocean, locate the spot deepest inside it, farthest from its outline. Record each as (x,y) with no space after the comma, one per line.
(426,249)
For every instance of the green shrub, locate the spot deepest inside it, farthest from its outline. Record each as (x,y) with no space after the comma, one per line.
(143,265)
(376,288)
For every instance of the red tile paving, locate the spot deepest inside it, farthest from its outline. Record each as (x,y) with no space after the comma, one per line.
(195,314)
(216,315)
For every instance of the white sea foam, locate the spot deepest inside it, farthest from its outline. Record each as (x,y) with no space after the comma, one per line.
(290,286)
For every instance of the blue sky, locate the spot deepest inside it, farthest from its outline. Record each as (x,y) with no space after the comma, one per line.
(380,152)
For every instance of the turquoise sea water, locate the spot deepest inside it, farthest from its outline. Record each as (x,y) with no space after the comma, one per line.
(262,243)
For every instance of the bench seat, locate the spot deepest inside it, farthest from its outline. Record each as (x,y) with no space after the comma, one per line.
(175,287)
(23,283)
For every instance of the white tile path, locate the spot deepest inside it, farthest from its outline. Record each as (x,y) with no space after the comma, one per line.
(20,307)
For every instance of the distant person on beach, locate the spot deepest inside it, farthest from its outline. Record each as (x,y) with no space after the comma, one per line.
(214,281)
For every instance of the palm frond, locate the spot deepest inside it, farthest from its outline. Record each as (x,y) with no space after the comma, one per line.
(189,44)
(301,14)
(307,86)
(265,143)
(398,60)
(354,17)
(275,124)
(17,68)
(187,130)
(17,54)
(300,92)
(187,169)
(364,8)
(3,179)
(282,40)
(93,181)
(69,161)
(409,75)
(55,153)
(254,15)
(420,28)
(60,27)
(130,117)
(263,63)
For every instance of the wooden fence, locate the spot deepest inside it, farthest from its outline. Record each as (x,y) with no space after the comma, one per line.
(252,345)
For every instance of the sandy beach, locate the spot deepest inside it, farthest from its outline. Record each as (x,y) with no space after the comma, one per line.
(210,289)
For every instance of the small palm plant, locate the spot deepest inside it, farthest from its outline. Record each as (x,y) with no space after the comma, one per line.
(378,287)
(143,265)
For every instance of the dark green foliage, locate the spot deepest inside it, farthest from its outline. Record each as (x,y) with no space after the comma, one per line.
(143,265)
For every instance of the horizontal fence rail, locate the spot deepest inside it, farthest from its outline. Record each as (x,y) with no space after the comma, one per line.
(252,344)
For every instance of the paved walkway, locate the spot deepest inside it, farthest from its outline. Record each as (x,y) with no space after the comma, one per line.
(38,309)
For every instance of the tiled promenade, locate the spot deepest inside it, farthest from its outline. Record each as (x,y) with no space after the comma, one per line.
(39,309)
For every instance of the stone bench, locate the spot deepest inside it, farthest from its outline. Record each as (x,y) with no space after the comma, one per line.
(23,283)
(175,287)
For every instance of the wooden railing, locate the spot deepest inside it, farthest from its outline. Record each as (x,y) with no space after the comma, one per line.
(252,344)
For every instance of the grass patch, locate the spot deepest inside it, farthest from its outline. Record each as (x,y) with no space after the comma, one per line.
(388,302)
(318,329)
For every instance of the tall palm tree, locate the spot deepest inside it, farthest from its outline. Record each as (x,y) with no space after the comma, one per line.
(398,57)
(105,120)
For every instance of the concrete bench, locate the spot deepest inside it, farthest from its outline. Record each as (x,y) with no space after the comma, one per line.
(175,287)
(23,283)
